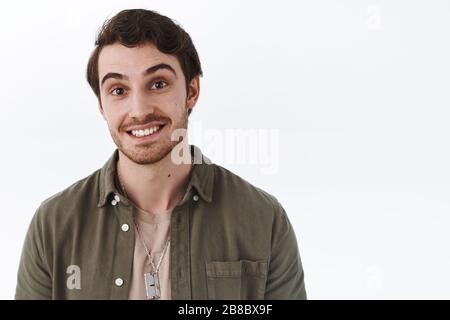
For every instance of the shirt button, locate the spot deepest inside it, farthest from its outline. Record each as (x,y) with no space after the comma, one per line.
(125,227)
(117,198)
(114,202)
(195,197)
(119,282)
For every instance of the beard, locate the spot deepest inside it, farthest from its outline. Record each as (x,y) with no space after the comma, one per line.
(153,151)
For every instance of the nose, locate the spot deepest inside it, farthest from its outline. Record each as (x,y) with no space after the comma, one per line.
(139,105)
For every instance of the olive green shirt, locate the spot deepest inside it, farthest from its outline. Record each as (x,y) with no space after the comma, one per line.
(229,240)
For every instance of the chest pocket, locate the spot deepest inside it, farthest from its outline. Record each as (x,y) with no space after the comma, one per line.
(236,280)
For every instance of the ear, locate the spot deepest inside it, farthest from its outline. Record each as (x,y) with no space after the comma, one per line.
(193,92)
(100,108)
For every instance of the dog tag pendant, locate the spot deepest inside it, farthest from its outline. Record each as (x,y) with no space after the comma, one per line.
(152,285)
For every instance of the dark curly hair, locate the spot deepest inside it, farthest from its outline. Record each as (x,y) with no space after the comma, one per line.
(135,27)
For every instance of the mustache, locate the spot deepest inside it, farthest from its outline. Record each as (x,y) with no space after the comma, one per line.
(149,118)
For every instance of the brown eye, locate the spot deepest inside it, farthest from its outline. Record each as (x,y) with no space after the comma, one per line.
(159,84)
(117,91)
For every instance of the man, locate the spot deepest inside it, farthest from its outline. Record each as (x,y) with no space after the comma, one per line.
(159,220)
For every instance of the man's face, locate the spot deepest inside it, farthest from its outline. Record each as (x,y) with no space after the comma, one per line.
(143,99)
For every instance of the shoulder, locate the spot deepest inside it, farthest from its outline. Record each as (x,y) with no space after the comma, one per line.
(240,193)
(73,199)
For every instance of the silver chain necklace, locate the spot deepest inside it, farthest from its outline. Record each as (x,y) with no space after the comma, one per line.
(151,279)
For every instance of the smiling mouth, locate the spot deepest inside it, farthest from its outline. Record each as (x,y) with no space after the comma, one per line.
(146,132)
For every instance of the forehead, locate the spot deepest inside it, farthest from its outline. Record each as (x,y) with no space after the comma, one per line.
(133,61)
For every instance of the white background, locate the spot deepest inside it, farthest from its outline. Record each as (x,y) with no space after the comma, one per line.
(358,89)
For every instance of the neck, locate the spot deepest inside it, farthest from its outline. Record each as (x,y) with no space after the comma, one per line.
(157,187)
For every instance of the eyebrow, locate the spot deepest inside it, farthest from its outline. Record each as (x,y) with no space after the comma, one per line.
(151,70)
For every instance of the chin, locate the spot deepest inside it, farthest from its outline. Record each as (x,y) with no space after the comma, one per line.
(146,154)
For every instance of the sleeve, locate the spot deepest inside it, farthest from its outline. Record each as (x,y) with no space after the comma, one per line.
(285,280)
(33,278)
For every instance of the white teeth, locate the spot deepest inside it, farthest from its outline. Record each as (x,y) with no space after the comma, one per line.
(146,132)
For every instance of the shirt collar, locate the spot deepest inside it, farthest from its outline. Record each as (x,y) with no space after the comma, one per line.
(202,178)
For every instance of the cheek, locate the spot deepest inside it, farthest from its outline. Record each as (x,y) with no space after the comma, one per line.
(112,118)
(171,107)
(179,105)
